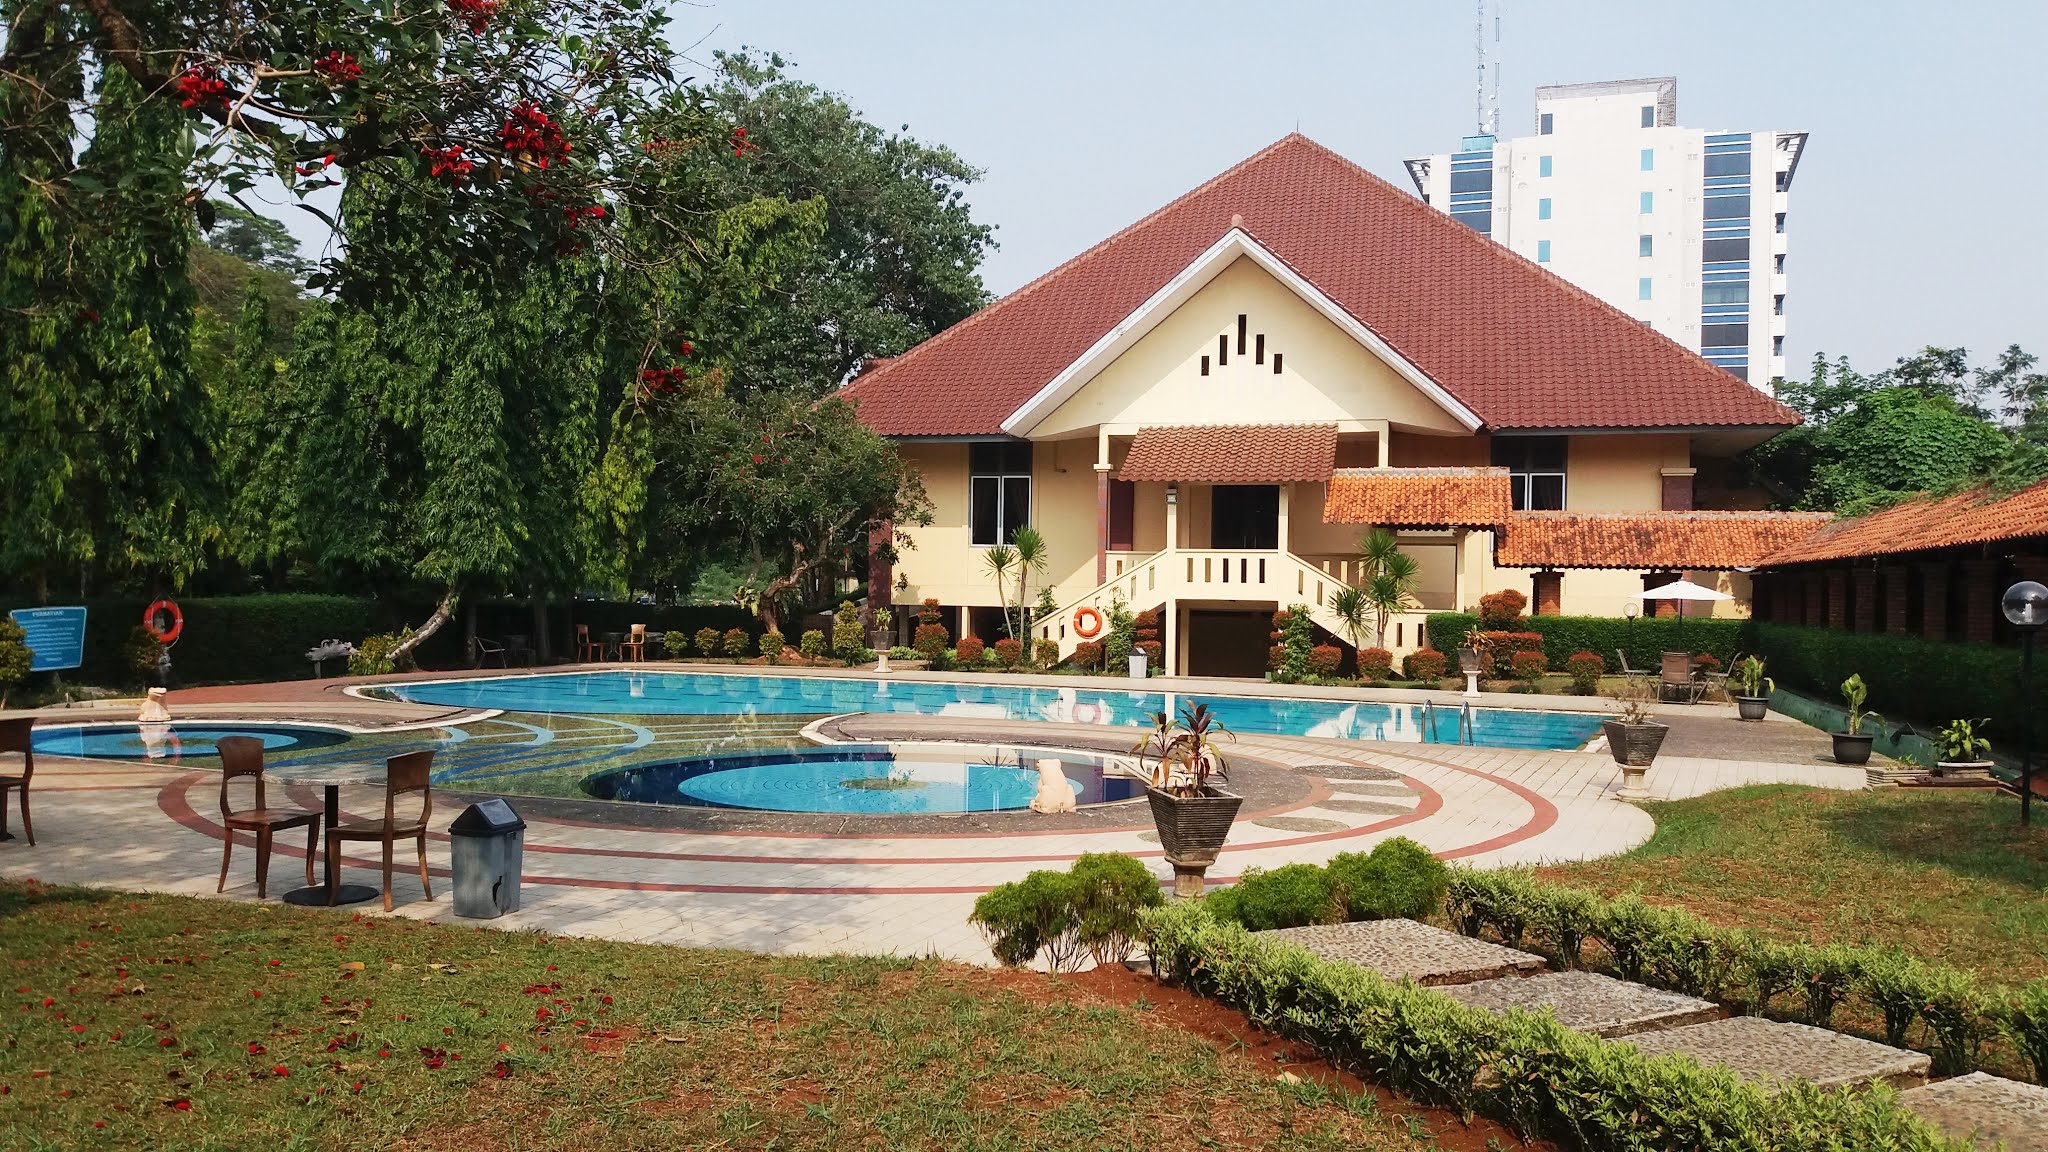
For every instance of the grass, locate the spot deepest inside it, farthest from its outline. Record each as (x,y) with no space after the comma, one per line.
(174,1023)
(1946,873)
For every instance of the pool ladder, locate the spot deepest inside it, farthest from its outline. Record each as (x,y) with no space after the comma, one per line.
(1467,726)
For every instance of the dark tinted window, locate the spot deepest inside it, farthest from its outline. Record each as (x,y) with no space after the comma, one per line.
(1727,163)
(999,490)
(1529,453)
(1725,293)
(1726,207)
(1008,457)
(1476,180)
(1724,335)
(1715,251)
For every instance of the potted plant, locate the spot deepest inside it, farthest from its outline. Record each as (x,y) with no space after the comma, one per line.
(1472,650)
(1852,746)
(1965,753)
(1633,738)
(1751,688)
(1180,760)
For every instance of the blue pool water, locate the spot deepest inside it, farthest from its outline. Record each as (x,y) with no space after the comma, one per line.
(173,741)
(864,779)
(718,694)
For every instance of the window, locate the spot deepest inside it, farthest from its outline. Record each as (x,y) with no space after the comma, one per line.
(1649,115)
(1543,208)
(1543,165)
(1780,223)
(1535,467)
(1649,159)
(1471,180)
(1647,203)
(999,490)
(1778,266)
(1724,335)
(1545,123)
(1724,251)
(1777,345)
(1778,304)
(1735,292)
(1726,208)
(1643,288)
(1543,250)
(1784,181)
(1645,245)
(1728,163)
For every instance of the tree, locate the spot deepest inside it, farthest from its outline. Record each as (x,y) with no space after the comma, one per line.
(1348,605)
(999,559)
(1029,543)
(1387,579)
(255,239)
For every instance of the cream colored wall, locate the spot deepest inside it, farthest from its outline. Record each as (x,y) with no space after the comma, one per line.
(1621,473)
(1326,375)
(1063,511)
(942,563)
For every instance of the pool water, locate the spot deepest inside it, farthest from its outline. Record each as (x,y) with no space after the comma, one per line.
(173,742)
(718,694)
(859,779)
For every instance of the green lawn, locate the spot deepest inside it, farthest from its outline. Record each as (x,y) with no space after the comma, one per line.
(1948,874)
(166,1022)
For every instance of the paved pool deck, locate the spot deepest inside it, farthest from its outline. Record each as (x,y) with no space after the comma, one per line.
(612,873)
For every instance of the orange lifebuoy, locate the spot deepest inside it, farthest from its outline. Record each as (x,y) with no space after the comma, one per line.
(1087,623)
(160,608)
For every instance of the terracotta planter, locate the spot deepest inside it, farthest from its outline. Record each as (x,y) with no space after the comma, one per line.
(1192,829)
(1752,707)
(1634,745)
(1852,749)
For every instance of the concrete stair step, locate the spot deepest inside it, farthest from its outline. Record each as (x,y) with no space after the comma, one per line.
(1770,1052)
(1988,1110)
(1590,1002)
(1406,949)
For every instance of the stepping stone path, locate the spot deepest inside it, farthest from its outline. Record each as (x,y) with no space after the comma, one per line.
(1769,1051)
(1589,1002)
(1405,949)
(1988,1109)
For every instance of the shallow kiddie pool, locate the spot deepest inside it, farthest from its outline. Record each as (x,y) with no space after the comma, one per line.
(174,741)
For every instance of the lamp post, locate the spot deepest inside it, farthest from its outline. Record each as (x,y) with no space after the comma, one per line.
(2025,605)
(1630,609)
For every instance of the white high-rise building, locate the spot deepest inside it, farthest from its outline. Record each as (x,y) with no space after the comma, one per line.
(1682,228)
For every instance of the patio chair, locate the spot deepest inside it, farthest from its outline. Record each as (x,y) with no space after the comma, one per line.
(14,737)
(1677,683)
(635,646)
(1630,674)
(404,775)
(586,648)
(486,650)
(241,757)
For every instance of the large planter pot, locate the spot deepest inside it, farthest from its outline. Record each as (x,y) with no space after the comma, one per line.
(1752,707)
(1852,749)
(1192,830)
(1963,769)
(1468,660)
(1634,745)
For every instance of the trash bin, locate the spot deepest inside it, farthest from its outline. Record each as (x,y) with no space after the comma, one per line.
(1139,664)
(487,841)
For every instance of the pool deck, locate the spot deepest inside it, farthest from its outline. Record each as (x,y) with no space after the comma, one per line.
(612,871)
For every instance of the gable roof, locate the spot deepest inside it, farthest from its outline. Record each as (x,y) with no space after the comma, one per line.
(1516,345)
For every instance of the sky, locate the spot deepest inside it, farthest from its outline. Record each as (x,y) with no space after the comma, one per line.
(1913,219)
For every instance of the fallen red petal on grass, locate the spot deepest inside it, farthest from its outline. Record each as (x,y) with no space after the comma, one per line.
(280,1070)
(501,1070)
(181,1104)
(255,1049)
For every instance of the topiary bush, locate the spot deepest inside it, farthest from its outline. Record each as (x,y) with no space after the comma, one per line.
(1375,663)
(1110,892)
(1094,908)
(811,646)
(1502,610)
(1528,667)
(15,656)
(1295,630)
(1397,879)
(1425,664)
(1087,655)
(1009,652)
(708,640)
(931,641)
(2024,1020)
(675,644)
(735,643)
(1289,896)
(1585,669)
(1324,660)
(142,654)
(1046,653)
(970,651)
(847,643)
(771,645)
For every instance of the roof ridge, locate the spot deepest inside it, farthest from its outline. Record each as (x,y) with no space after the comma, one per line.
(1689,513)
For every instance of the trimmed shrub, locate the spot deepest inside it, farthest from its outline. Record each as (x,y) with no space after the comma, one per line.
(812,644)
(1046,653)
(1087,654)
(1110,891)
(1585,669)
(1375,663)
(736,644)
(931,641)
(1145,637)
(708,640)
(847,642)
(771,646)
(1959,1018)
(2024,1020)
(1562,919)
(1824,974)
(1121,635)
(1155,653)
(1325,659)
(1644,640)
(1397,879)
(1426,664)
(1909,677)
(970,651)
(1769,969)
(143,653)
(902,652)
(1896,985)
(1009,652)
(15,656)
(1289,896)
(1295,630)
(1528,667)
(1502,610)
(1026,917)
(675,645)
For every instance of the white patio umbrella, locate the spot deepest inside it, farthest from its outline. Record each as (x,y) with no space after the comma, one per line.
(1682,590)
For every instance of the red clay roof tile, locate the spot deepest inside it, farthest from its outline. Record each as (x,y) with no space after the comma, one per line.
(1419,497)
(1517,345)
(1923,524)
(1232,454)
(1649,540)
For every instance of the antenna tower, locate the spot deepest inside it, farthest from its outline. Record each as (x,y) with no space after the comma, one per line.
(1486,100)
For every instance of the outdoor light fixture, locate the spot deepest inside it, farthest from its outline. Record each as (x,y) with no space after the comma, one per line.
(1172,494)
(2025,605)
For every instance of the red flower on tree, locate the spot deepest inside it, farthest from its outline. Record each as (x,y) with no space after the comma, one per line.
(477,13)
(338,67)
(529,136)
(449,162)
(202,85)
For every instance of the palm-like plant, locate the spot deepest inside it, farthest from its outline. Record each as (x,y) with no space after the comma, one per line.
(1349,606)
(1180,756)
(999,560)
(1388,579)
(1031,558)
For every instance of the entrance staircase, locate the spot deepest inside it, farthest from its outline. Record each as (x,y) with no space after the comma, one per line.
(1208,575)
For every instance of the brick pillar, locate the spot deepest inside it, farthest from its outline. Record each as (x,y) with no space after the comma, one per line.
(1677,489)
(1934,578)
(1980,601)
(1549,594)
(1101,524)
(1863,611)
(1838,598)
(1897,585)
(1813,600)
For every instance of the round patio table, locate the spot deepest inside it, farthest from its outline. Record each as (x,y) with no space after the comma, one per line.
(612,646)
(330,777)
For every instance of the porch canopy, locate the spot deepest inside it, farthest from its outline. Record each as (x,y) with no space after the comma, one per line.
(1420,497)
(1650,541)
(1232,454)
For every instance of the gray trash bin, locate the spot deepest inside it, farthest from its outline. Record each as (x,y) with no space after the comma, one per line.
(487,841)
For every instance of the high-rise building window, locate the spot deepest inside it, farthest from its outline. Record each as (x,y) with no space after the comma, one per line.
(1781,223)
(1543,249)
(1648,203)
(1543,165)
(999,490)
(1649,159)
(1543,208)
(1535,467)
(1777,345)
(1643,288)
(1644,245)
(1544,123)
(1778,304)
(1649,115)
(1779,265)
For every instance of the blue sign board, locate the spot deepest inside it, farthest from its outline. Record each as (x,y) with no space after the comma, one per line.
(55,635)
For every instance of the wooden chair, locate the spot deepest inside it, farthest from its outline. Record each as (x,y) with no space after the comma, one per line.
(14,737)
(242,757)
(405,775)
(586,648)
(635,646)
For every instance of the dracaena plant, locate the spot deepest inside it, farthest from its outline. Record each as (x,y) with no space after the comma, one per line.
(1961,741)
(1854,693)
(1179,755)
(1748,679)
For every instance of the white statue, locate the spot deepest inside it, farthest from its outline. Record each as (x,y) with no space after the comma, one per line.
(154,711)
(1055,791)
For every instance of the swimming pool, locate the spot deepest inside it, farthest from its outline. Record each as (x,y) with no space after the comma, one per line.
(174,741)
(862,779)
(722,694)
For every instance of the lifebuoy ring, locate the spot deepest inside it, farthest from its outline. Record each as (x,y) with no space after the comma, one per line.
(1087,623)
(1087,714)
(159,608)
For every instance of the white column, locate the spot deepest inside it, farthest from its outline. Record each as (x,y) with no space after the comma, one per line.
(1385,434)
(1172,520)
(1285,491)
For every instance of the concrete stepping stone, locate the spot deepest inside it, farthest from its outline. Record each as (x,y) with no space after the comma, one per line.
(1590,1002)
(1367,807)
(1351,773)
(1989,1110)
(1406,949)
(1770,1051)
(1349,788)
(1295,824)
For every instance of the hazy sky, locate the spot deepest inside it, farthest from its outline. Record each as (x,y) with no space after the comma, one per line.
(1915,217)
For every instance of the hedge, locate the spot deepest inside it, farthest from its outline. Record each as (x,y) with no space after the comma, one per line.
(1645,640)
(1528,1071)
(1910,678)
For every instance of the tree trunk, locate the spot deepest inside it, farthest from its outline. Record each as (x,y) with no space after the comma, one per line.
(543,649)
(469,634)
(442,612)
